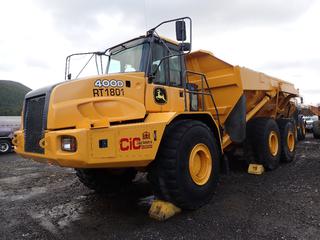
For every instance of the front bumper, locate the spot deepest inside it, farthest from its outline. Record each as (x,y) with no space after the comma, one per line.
(130,145)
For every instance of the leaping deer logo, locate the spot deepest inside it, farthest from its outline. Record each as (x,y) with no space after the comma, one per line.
(160,96)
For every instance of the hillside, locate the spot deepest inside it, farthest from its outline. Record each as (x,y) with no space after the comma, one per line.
(11,97)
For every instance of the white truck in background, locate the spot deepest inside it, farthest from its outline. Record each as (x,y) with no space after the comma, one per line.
(8,125)
(309,121)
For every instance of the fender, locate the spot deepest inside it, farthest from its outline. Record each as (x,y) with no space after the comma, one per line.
(205,117)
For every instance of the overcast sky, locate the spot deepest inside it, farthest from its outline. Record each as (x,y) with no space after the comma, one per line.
(277,37)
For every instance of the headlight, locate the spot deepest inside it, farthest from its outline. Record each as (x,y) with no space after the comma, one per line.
(68,143)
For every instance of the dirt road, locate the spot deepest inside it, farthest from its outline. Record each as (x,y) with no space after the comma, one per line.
(40,201)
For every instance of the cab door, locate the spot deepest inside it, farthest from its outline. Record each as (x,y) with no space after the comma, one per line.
(166,91)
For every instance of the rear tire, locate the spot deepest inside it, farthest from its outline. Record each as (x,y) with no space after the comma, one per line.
(316,129)
(264,137)
(295,130)
(104,180)
(5,146)
(301,129)
(287,139)
(186,169)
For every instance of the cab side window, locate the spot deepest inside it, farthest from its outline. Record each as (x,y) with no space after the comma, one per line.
(170,71)
(158,52)
(175,70)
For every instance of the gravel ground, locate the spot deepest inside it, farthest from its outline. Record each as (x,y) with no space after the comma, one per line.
(40,201)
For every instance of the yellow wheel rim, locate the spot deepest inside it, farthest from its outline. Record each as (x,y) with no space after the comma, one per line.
(290,141)
(200,164)
(273,143)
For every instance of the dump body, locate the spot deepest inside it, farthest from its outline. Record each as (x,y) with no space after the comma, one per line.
(315,110)
(241,91)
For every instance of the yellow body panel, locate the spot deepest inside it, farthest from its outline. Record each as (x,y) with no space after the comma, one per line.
(129,145)
(175,101)
(228,83)
(79,103)
(223,79)
(252,80)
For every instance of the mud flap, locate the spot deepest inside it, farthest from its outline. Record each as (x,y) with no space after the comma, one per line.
(236,122)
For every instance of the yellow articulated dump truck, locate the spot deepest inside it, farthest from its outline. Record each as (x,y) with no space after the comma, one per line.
(153,105)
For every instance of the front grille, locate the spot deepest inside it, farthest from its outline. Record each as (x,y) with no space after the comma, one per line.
(34,123)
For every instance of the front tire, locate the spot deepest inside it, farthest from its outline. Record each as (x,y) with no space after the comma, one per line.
(104,180)
(186,169)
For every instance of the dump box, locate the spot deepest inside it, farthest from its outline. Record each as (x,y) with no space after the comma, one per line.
(241,92)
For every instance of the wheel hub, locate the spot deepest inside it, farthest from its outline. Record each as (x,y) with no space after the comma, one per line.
(273,143)
(200,164)
(290,141)
(4,147)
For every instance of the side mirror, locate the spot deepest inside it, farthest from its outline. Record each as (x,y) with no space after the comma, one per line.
(181,30)
(301,99)
(69,76)
(184,47)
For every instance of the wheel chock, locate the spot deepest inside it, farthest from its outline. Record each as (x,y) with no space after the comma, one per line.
(161,210)
(256,169)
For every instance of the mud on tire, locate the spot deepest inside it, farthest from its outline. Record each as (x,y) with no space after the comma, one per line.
(173,175)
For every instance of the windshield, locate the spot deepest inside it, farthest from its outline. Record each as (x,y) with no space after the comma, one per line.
(126,57)
(129,57)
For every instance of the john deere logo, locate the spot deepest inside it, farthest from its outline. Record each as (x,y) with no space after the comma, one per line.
(160,95)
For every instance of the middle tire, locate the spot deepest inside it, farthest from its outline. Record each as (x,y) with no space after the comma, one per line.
(288,140)
(264,137)
(186,169)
